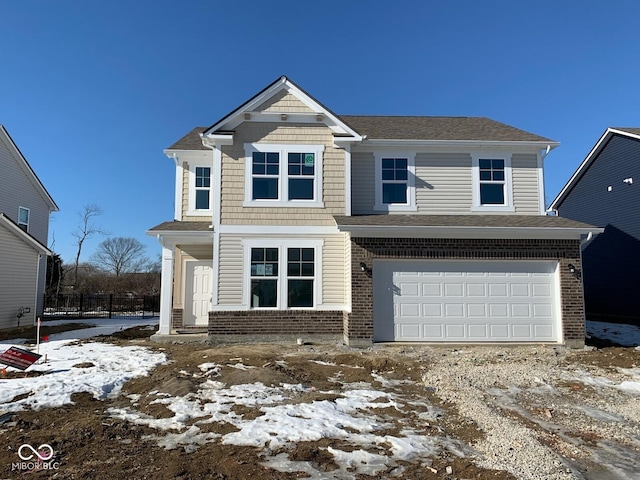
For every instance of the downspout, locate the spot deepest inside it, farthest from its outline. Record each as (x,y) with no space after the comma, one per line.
(216,205)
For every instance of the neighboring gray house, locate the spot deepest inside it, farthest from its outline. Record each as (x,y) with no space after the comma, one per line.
(25,206)
(605,191)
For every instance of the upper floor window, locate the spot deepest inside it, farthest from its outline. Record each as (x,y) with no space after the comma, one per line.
(23,218)
(283,175)
(395,182)
(199,200)
(492,183)
(203,188)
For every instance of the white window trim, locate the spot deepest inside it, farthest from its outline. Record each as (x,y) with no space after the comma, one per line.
(508,183)
(282,245)
(192,191)
(283,184)
(411,189)
(28,217)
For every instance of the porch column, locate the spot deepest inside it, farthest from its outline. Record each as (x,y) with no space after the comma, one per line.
(166,291)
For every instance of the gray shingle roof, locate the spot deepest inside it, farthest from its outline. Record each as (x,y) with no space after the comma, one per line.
(191,141)
(438,128)
(634,131)
(510,221)
(176,226)
(411,128)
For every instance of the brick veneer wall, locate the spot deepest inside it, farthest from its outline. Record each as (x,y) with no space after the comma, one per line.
(276,322)
(358,326)
(176,318)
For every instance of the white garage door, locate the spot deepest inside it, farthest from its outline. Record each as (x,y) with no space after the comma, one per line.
(465,301)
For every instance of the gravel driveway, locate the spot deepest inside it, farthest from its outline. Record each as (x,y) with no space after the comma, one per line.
(547,412)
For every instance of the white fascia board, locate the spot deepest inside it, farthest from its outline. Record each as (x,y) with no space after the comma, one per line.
(173,238)
(389,231)
(512,146)
(236,117)
(24,236)
(593,154)
(175,155)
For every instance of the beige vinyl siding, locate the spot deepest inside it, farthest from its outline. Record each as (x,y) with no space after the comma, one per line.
(443,183)
(17,280)
(333,270)
(284,102)
(232,268)
(233,176)
(185,189)
(526,185)
(231,273)
(363,180)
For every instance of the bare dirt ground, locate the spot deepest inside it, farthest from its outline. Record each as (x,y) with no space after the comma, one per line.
(515,412)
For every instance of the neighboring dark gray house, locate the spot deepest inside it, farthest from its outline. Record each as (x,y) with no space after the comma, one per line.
(605,191)
(25,206)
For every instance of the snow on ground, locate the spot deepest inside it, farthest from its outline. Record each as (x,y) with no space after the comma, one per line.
(71,367)
(353,417)
(101,326)
(620,333)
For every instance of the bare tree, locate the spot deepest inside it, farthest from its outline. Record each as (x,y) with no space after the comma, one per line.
(120,255)
(86,229)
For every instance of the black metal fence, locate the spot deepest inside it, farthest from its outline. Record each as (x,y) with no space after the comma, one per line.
(107,305)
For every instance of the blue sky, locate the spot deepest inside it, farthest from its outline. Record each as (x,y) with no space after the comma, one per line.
(92,92)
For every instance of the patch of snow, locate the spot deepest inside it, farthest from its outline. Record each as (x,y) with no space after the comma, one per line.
(241,366)
(112,367)
(620,333)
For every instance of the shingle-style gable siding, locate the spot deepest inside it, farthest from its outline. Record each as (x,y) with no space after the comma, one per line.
(284,102)
(590,201)
(233,176)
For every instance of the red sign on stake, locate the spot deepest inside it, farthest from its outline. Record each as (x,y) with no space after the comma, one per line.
(19,358)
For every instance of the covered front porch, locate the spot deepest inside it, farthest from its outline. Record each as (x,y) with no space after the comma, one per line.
(188,276)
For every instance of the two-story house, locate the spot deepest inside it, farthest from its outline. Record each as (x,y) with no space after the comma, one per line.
(605,191)
(25,207)
(293,221)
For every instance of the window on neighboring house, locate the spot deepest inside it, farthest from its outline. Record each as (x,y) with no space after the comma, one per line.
(264,277)
(300,273)
(395,189)
(492,183)
(23,218)
(272,182)
(203,188)
(266,175)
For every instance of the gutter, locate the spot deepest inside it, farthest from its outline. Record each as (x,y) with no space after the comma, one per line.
(395,231)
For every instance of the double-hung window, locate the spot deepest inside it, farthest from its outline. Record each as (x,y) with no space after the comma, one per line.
(284,274)
(492,183)
(264,277)
(283,175)
(395,182)
(300,273)
(203,188)
(23,218)
(199,190)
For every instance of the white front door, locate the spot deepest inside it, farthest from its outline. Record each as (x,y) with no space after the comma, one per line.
(465,301)
(197,292)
